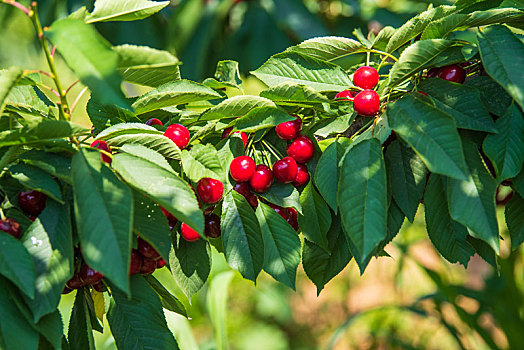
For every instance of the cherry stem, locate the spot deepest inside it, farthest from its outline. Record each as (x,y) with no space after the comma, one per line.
(50,89)
(278,156)
(71,86)
(77,99)
(40,72)
(18,6)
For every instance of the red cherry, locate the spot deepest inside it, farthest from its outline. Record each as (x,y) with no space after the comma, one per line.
(344,95)
(301,149)
(102,145)
(210,190)
(302,176)
(154,121)
(75,282)
(243,135)
(10,226)
(244,189)
(99,287)
(188,233)
(280,211)
(32,202)
(147,250)
(285,170)
(136,262)
(433,72)
(262,179)
(170,218)
(242,168)
(212,227)
(148,266)
(290,129)
(178,134)
(365,77)
(160,263)
(292,218)
(367,103)
(423,93)
(89,275)
(453,73)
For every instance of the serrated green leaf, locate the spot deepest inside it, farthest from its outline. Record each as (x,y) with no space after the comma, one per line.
(329,48)
(514,213)
(518,183)
(36,179)
(261,118)
(316,219)
(147,154)
(17,265)
(326,174)
(104,116)
(202,161)
(80,331)
(227,73)
(383,37)
(169,301)
(30,100)
(442,27)
(52,163)
(284,195)
(129,10)
(8,79)
(493,96)
(294,95)
(236,107)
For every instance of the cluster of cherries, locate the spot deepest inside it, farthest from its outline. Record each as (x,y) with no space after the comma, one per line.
(367,101)
(32,204)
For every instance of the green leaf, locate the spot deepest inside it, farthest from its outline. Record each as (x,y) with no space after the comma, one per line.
(202,161)
(493,96)
(36,179)
(415,58)
(129,10)
(329,48)
(190,264)
(301,69)
(30,100)
(316,219)
(407,175)
(80,331)
(138,322)
(518,183)
(241,236)
(447,235)
(460,101)
(147,154)
(514,213)
(506,149)
(236,107)
(362,199)
(284,195)
(321,265)
(104,214)
(8,79)
(502,55)
(261,118)
(54,164)
(164,187)
(228,74)
(90,57)
(103,116)
(395,220)
(326,174)
(50,327)
(281,246)
(442,27)
(17,265)
(147,66)
(173,94)
(216,304)
(431,133)
(49,241)
(472,201)
(169,301)
(294,95)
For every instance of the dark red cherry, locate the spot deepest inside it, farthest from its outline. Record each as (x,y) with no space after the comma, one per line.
(154,121)
(285,170)
(344,95)
(210,190)
(433,72)
(99,287)
(367,103)
(262,179)
(32,202)
(178,134)
(102,145)
(160,263)
(423,93)
(243,135)
(292,218)
(66,290)
(245,190)
(170,218)
(302,176)
(10,226)
(75,282)
(148,266)
(301,149)
(453,73)
(147,250)
(280,211)
(290,129)
(188,233)
(365,77)
(135,263)
(212,227)
(242,168)
(90,275)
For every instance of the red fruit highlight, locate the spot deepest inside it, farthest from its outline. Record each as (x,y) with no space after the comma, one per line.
(154,121)
(245,190)
(102,145)
(160,263)
(147,250)
(301,149)
(178,134)
(242,168)
(367,103)
(290,129)
(365,77)
(210,190)
(302,176)
(188,233)
(280,211)
(262,179)
(10,226)
(243,135)
(170,218)
(292,218)
(90,275)
(285,170)
(453,73)
(344,95)
(32,202)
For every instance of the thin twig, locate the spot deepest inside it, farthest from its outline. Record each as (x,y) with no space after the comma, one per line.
(71,86)
(18,6)
(77,99)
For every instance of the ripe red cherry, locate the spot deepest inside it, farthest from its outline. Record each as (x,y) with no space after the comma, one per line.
(302,176)
(290,129)
(367,103)
(147,250)
(292,218)
(188,233)
(301,149)
(262,179)
(212,227)
(433,72)
(453,73)
(244,189)
(89,275)
(344,95)
(423,93)
(280,211)
(154,121)
(170,218)
(10,226)
(160,263)
(32,202)
(210,190)
(242,168)
(148,266)
(365,77)
(243,135)
(136,262)
(102,145)
(75,282)
(285,170)
(178,134)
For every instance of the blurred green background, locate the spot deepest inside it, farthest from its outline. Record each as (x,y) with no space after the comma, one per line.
(411,300)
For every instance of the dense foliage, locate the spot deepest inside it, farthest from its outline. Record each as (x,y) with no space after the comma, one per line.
(346,141)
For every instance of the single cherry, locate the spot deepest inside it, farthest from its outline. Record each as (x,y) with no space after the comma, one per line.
(147,250)
(301,149)
(188,233)
(365,77)
(302,176)
(154,121)
(148,266)
(290,129)
(245,190)
(178,134)
(209,210)
(212,227)
(242,168)
(135,263)
(292,218)
(90,275)
(32,202)
(102,145)
(433,72)
(243,135)
(285,170)
(10,226)
(170,218)
(75,282)
(280,211)
(453,73)
(160,263)
(210,190)
(344,95)
(367,103)
(262,179)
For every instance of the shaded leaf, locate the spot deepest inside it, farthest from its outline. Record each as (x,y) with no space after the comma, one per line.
(169,301)
(129,10)
(316,219)
(36,179)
